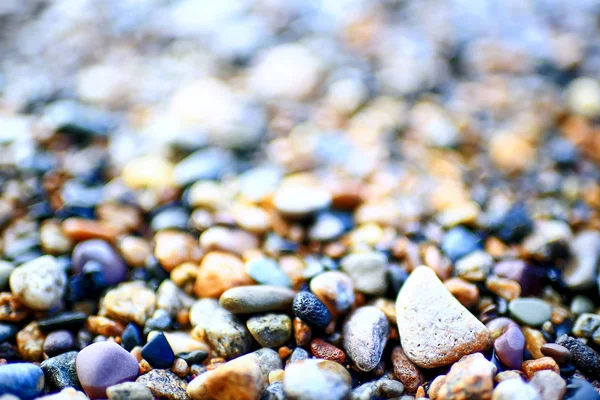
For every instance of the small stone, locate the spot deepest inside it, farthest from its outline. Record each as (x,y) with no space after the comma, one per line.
(160,321)
(52,238)
(475,266)
(581,305)
(173,248)
(30,342)
(229,240)
(274,392)
(460,242)
(581,389)
(171,298)
(170,218)
(218,273)
(388,307)
(276,376)
(382,388)
(11,309)
(114,269)
(335,289)
(39,284)
(561,354)
(586,359)
(514,224)
(205,164)
(148,172)
(299,201)
(583,96)
(405,371)
(131,337)
(26,381)
(530,277)
(471,377)
(310,309)
(222,330)
(270,330)
(130,301)
(266,271)
(165,385)
(244,378)
(182,341)
(365,335)
(435,329)
(80,229)
(299,354)
(515,389)
(58,342)
(104,364)
(508,289)
(327,227)
(129,391)
(69,320)
(531,311)
(5,270)
(60,371)
(135,250)
(329,380)
(465,292)
(541,364)
(158,352)
(193,357)
(586,324)
(251,218)
(549,384)
(583,268)
(534,340)
(257,298)
(321,349)
(104,326)
(180,367)
(302,332)
(510,345)
(66,394)
(7,331)
(367,271)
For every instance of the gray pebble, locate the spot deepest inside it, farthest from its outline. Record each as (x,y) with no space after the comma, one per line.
(530,311)
(382,388)
(581,304)
(257,298)
(586,324)
(365,335)
(171,298)
(129,391)
(299,354)
(328,380)
(583,268)
(367,271)
(164,384)
(60,371)
(549,384)
(267,272)
(274,392)
(270,330)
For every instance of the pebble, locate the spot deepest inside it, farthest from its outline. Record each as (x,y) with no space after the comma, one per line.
(460,242)
(69,320)
(580,389)
(58,342)
(561,354)
(222,330)
(274,392)
(229,240)
(327,227)
(365,336)
(583,268)
(529,277)
(311,310)
(367,271)
(182,341)
(160,321)
(267,272)
(7,331)
(302,332)
(158,352)
(299,201)
(193,357)
(508,289)
(165,385)
(244,378)
(549,384)
(471,377)
(530,311)
(586,324)
(60,371)
(329,380)
(382,388)
(465,292)
(435,329)
(321,349)
(114,269)
(129,391)
(39,284)
(173,248)
(534,340)
(515,389)
(270,330)
(405,371)
(131,337)
(218,273)
(130,301)
(530,367)
(30,342)
(5,270)
(586,359)
(26,381)
(510,345)
(148,172)
(299,354)
(581,304)
(135,250)
(335,289)
(251,218)
(65,394)
(103,364)
(514,225)
(475,266)
(257,298)
(171,298)
(204,164)
(169,218)
(583,96)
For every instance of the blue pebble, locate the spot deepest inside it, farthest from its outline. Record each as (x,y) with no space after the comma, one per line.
(131,337)
(580,389)
(23,380)
(460,242)
(310,309)
(514,225)
(7,331)
(266,271)
(158,352)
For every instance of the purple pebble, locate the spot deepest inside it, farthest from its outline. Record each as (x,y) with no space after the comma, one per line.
(510,345)
(113,267)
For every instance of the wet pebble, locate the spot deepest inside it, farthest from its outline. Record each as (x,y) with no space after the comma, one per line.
(164,385)
(113,267)
(310,309)
(530,311)
(321,349)
(129,391)
(131,337)
(561,354)
(549,384)
(26,381)
(58,342)
(60,371)
(586,359)
(329,380)
(257,298)
(510,345)
(367,271)
(193,357)
(365,335)
(39,284)
(270,330)
(158,352)
(267,272)
(382,388)
(8,331)
(69,320)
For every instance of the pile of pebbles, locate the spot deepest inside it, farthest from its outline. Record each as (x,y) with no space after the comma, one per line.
(271,200)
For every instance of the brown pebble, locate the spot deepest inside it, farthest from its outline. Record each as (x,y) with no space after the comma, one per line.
(104,326)
(465,292)
(183,317)
(534,340)
(180,367)
(405,371)
(530,367)
(144,367)
(284,352)
(30,342)
(11,309)
(472,377)
(276,376)
(508,289)
(121,217)
(561,354)
(302,332)
(173,248)
(215,363)
(434,388)
(79,229)
(511,374)
(321,349)
(219,272)
(135,250)
(184,274)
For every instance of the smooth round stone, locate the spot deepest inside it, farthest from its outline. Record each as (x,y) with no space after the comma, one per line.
(335,289)
(515,389)
(257,298)
(219,272)
(158,352)
(514,225)
(328,380)
(581,305)
(170,218)
(561,354)
(270,330)
(310,309)
(509,347)
(549,384)
(193,357)
(530,311)
(39,284)
(367,271)
(580,389)
(299,201)
(58,342)
(230,240)
(129,391)
(114,269)
(148,172)
(26,381)
(60,371)
(104,364)
(267,272)
(365,335)
(459,242)
(326,227)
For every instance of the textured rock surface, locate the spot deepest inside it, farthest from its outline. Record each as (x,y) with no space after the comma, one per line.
(365,335)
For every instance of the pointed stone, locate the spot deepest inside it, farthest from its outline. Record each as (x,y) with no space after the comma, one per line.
(435,329)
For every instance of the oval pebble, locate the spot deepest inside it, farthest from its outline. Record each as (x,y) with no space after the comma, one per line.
(270,330)
(114,269)
(510,345)
(39,284)
(335,289)
(561,354)
(365,335)
(266,271)
(530,311)
(26,381)
(298,201)
(257,298)
(310,309)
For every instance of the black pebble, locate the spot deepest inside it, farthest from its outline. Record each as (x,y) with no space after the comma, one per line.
(69,320)
(131,337)
(158,352)
(160,321)
(585,358)
(310,309)
(193,357)
(59,372)
(514,225)
(8,331)
(580,389)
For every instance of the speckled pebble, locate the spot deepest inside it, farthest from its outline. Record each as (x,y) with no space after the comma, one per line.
(310,309)
(130,301)
(39,284)
(471,377)
(586,359)
(365,335)
(129,391)
(164,385)
(270,330)
(60,371)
